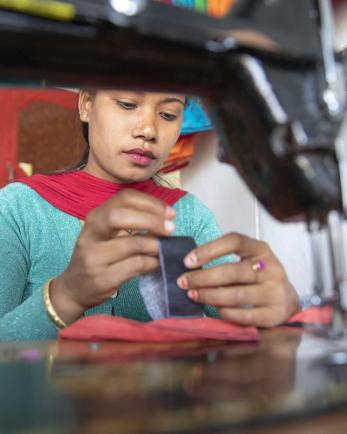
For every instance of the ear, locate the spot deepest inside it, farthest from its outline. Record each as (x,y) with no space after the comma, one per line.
(85,98)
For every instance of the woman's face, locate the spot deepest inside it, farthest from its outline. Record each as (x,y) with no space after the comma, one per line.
(130,133)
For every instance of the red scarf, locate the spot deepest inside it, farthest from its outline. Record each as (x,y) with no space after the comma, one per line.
(77,193)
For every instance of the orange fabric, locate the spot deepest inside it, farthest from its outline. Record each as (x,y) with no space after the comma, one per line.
(181,153)
(219,8)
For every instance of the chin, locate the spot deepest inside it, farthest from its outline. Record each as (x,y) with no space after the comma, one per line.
(141,174)
(135,177)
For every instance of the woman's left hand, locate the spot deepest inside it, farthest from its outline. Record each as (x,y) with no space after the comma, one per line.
(254,291)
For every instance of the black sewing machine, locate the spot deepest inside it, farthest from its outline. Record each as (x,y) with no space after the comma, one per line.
(267,69)
(275,88)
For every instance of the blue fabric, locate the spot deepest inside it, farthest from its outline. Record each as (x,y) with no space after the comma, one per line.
(194,118)
(190,4)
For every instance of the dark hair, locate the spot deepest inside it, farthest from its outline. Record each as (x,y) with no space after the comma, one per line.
(85,156)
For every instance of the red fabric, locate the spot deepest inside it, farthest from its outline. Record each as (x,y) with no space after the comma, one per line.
(312,315)
(77,193)
(105,327)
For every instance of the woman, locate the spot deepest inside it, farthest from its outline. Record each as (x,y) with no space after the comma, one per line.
(65,250)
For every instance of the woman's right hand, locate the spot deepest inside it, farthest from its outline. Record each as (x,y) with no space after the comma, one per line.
(104,259)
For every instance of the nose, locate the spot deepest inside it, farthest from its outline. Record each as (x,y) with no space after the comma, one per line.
(146,127)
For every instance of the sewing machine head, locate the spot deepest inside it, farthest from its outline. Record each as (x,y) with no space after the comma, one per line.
(268,71)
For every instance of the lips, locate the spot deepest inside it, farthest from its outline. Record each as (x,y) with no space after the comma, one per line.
(142,152)
(140,156)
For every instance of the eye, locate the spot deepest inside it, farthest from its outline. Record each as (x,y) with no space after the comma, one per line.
(168,116)
(126,105)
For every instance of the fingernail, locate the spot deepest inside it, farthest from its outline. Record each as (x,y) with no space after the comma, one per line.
(170,213)
(182,282)
(191,260)
(193,294)
(169,226)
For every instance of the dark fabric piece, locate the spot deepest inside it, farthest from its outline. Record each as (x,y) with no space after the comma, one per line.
(172,252)
(159,290)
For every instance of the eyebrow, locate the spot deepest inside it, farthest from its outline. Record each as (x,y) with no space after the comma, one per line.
(172,100)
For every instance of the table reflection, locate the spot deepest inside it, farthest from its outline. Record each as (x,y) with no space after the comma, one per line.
(75,387)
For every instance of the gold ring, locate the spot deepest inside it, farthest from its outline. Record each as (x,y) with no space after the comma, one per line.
(259,265)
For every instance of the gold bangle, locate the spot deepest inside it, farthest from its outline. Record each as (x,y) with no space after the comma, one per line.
(53,316)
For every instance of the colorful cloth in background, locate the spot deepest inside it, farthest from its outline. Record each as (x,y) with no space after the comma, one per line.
(213,8)
(195,120)
(181,153)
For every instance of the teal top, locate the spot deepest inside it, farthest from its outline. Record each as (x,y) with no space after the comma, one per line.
(36,244)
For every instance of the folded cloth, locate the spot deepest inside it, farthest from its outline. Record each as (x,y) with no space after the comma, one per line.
(312,315)
(104,327)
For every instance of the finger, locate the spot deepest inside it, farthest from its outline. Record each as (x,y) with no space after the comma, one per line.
(120,248)
(230,243)
(258,317)
(234,296)
(117,274)
(141,221)
(127,218)
(222,275)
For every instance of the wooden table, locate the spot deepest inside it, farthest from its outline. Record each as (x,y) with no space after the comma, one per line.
(276,386)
